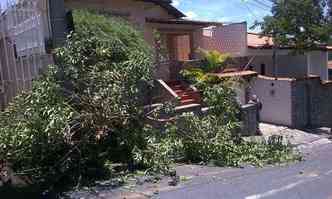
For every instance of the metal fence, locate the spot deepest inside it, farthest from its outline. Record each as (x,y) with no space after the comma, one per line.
(22,47)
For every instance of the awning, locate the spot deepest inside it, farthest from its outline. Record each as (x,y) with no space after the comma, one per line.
(245,73)
(201,24)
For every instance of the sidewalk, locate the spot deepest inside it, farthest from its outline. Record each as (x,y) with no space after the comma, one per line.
(304,140)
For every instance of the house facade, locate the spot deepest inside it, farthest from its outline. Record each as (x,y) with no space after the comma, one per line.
(258,51)
(295,89)
(31,27)
(180,38)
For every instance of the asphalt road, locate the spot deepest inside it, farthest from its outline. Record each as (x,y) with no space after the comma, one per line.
(309,179)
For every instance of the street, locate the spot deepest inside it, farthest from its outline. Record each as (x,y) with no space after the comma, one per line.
(309,179)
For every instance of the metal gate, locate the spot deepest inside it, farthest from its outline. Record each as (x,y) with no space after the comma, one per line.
(24,29)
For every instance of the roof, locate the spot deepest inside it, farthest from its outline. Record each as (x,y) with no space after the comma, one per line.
(244,73)
(259,41)
(167,5)
(182,22)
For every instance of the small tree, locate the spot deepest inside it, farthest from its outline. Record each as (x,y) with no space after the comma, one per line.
(214,60)
(302,24)
(85,111)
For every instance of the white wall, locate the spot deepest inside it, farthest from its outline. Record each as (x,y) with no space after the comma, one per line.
(275,96)
(287,65)
(318,64)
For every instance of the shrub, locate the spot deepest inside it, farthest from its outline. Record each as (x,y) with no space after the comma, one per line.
(212,138)
(85,111)
(198,77)
(214,60)
(35,135)
(193,74)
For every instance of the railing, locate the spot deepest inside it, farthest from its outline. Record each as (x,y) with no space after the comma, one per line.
(163,92)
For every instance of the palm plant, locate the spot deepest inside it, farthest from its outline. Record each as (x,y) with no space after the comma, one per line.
(214,60)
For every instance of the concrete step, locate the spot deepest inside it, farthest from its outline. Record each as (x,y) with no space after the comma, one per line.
(188,101)
(187,95)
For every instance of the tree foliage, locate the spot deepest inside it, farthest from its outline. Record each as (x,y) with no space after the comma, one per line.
(85,111)
(303,24)
(213,138)
(214,60)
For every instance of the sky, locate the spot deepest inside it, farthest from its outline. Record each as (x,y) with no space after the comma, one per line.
(225,10)
(222,10)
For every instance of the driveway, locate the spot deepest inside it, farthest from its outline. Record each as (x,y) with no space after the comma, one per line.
(309,179)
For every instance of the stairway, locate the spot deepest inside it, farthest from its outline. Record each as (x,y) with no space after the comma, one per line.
(187,95)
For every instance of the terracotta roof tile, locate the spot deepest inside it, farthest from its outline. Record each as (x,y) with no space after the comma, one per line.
(245,73)
(256,40)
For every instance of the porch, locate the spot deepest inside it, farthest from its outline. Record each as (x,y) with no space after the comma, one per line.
(177,44)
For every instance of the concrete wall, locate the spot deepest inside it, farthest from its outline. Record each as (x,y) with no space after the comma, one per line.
(297,103)
(264,59)
(318,64)
(300,104)
(275,96)
(312,103)
(293,66)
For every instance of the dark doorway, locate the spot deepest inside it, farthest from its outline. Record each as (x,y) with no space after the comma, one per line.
(263,69)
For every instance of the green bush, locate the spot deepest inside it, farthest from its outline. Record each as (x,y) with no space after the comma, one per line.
(198,77)
(212,138)
(214,60)
(88,111)
(85,111)
(34,132)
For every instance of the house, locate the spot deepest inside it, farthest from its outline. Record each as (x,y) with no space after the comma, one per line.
(259,49)
(288,64)
(180,37)
(30,28)
(295,91)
